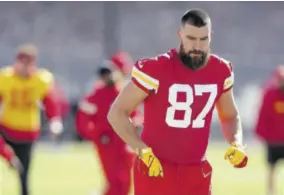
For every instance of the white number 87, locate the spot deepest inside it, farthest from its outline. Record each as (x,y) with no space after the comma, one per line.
(199,122)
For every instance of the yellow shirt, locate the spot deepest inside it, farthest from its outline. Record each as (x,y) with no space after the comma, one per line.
(20,98)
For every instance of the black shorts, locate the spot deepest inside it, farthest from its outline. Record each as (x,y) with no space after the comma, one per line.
(274,154)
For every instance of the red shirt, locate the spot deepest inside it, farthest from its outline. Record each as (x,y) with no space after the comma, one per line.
(91,119)
(271,116)
(178,110)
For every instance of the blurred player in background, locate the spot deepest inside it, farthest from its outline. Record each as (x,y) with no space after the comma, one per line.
(92,124)
(7,153)
(23,87)
(180,89)
(269,126)
(121,63)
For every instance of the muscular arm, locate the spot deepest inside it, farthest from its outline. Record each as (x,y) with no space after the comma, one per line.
(129,98)
(229,118)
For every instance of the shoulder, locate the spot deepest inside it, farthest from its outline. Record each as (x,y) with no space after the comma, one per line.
(98,85)
(6,71)
(224,67)
(148,72)
(270,91)
(153,64)
(45,76)
(6,74)
(97,88)
(157,60)
(222,62)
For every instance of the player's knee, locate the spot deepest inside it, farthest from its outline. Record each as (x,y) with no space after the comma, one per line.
(272,165)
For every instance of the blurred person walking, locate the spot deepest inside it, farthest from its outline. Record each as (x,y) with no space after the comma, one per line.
(269,128)
(23,87)
(92,124)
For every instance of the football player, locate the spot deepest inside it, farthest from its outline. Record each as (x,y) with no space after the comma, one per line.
(180,89)
(92,124)
(269,126)
(23,87)
(121,64)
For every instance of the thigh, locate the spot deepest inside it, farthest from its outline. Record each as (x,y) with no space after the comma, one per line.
(23,151)
(114,158)
(145,185)
(196,179)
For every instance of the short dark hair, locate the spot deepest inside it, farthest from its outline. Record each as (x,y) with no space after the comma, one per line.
(103,71)
(195,17)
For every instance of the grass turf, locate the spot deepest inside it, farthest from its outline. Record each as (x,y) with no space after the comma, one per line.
(75,170)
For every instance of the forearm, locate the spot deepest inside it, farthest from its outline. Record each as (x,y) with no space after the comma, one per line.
(123,126)
(232,130)
(52,112)
(51,107)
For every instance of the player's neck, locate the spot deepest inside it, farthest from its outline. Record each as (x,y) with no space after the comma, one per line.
(21,75)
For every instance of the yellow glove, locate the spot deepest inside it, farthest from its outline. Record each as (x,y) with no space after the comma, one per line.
(151,161)
(236,156)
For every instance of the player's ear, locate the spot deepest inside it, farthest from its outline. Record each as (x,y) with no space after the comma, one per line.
(179,34)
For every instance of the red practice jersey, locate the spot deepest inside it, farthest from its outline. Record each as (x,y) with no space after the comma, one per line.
(94,109)
(271,115)
(179,108)
(91,118)
(20,114)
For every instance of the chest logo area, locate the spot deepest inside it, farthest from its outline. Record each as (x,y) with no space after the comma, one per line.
(279,107)
(194,98)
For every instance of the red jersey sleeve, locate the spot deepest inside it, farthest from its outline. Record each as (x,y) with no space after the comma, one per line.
(55,102)
(145,76)
(87,105)
(48,93)
(229,77)
(51,104)
(83,121)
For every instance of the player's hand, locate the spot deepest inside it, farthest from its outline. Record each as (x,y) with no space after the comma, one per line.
(16,164)
(56,127)
(152,162)
(236,156)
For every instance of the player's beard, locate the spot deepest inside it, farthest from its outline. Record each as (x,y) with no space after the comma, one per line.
(194,62)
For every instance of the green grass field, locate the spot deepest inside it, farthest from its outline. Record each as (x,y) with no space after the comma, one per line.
(75,170)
